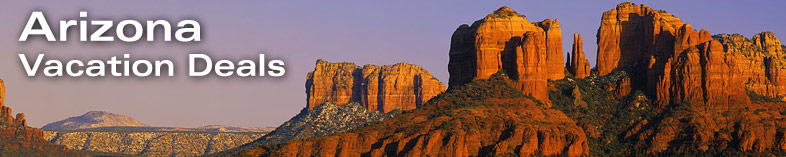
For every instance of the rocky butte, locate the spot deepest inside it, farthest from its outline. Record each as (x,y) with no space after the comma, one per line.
(531,53)
(699,96)
(378,88)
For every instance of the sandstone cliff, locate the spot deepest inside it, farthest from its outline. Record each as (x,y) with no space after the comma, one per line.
(379,88)
(6,116)
(485,117)
(699,96)
(761,60)
(578,65)
(94,119)
(681,64)
(17,139)
(632,32)
(151,143)
(531,53)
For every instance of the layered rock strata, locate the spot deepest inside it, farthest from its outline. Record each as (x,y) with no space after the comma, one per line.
(531,53)
(631,33)
(699,94)
(378,88)
(761,60)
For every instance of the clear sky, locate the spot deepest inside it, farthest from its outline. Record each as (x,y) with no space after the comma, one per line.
(298,32)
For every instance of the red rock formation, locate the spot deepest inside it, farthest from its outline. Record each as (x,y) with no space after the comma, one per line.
(6,117)
(761,60)
(379,88)
(17,139)
(578,65)
(698,73)
(698,87)
(448,127)
(334,82)
(531,66)
(631,33)
(531,53)
(623,88)
(553,48)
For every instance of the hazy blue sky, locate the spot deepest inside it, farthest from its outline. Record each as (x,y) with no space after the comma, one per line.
(299,32)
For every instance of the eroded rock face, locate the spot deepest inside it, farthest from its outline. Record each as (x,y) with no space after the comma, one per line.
(697,86)
(578,65)
(531,53)
(633,32)
(699,72)
(379,88)
(6,117)
(761,60)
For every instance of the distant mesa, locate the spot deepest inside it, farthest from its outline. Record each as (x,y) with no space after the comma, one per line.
(105,121)
(94,119)
(383,88)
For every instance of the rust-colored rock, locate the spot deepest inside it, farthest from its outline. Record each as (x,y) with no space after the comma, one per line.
(632,33)
(447,126)
(623,88)
(6,117)
(531,53)
(682,65)
(578,65)
(530,74)
(697,86)
(379,88)
(17,139)
(698,73)
(761,60)
(2,93)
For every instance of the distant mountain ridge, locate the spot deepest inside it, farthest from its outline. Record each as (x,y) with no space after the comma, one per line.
(93,119)
(105,121)
(208,128)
